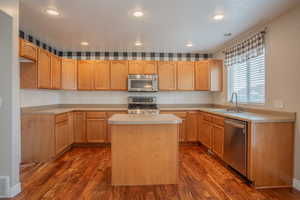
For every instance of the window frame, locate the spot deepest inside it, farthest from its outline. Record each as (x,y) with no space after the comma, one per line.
(229,87)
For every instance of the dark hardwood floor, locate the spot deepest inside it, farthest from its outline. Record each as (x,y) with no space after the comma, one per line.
(84,173)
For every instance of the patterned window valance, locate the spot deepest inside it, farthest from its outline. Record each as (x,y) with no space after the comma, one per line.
(250,48)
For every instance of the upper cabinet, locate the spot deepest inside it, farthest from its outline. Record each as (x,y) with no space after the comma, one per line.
(56,72)
(209,75)
(44,69)
(85,75)
(69,74)
(167,75)
(28,50)
(118,75)
(185,75)
(142,67)
(102,75)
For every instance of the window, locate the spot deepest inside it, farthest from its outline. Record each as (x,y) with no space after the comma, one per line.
(248,80)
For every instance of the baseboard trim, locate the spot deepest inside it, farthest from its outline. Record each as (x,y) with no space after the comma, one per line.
(11,191)
(296,184)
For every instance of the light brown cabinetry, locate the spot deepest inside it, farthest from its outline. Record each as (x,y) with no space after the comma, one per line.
(28,50)
(205,134)
(167,72)
(69,74)
(109,114)
(185,75)
(55,72)
(62,133)
(44,69)
(101,75)
(80,127)
(85,75)
(96,127)
(208,75)
(218,140)
(142,67)
(118,75)
(192,127)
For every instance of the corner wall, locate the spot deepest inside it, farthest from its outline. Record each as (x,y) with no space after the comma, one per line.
(282,72)
(9,92)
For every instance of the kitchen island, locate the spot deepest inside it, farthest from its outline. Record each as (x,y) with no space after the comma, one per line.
(144,149)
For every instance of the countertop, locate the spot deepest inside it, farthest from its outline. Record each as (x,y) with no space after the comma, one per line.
(144,119)
(256,116)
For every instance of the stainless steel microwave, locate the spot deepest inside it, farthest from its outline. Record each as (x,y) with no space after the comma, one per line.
(142,83)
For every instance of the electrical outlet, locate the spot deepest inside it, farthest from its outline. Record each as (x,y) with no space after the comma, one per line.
(278,104)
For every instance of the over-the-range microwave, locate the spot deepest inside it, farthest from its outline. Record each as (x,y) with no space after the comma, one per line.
(142,83)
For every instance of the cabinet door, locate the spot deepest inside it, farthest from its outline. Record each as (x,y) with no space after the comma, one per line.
(192,127)
(96,130)
(218,140)
(56,72)
(202,75)
(183,126)
(136,67)
(85,75)
(118,75)
(28,50)
(216,75)
(167,75)
(150,67)
(71,128)
(79,127)
(69,74)
(102,75)
(185,75)
(205,135)
(44,69)
(61,136)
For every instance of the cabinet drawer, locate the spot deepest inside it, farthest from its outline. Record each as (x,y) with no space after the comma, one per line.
(218,120)
(96,115)
(61,117)
(207,117)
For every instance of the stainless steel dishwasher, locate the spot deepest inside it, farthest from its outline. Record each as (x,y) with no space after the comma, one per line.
(235,145)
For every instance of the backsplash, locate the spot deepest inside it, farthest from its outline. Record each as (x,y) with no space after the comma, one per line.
(115,97)
(39,97)
(158,56)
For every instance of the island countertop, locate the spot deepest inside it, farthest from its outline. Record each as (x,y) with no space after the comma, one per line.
(144,119)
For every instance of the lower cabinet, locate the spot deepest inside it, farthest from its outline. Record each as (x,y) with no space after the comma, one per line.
(218,140)
(205,134)
(96,127)
(211,132)
(79,127)
(192,127)
(61,136)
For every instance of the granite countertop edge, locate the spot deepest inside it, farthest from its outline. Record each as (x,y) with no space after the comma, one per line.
(250,116)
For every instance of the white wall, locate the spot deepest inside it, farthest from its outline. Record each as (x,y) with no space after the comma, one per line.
(114,97)
(10,110)
(39,97)
(282,70)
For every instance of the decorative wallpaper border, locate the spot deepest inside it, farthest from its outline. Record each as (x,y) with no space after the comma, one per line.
(157,56)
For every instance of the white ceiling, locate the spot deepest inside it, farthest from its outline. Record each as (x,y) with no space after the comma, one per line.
(167,25)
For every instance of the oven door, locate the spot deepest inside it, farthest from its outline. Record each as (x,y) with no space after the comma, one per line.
(142,85)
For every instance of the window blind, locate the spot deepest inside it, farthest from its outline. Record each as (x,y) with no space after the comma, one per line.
(247,79)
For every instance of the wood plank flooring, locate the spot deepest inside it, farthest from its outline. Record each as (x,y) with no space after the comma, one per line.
(84,173)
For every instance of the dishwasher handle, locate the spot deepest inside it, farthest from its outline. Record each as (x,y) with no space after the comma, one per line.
(235,123)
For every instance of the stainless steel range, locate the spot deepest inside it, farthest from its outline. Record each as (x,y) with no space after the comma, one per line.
(142,105)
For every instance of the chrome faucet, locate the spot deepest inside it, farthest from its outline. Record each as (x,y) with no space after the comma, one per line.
(236,108)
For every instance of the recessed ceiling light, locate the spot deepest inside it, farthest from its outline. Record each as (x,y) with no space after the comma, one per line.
(138,43)
(84,43)
(189,44)
(219,17)
(138,14)
(52,11)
